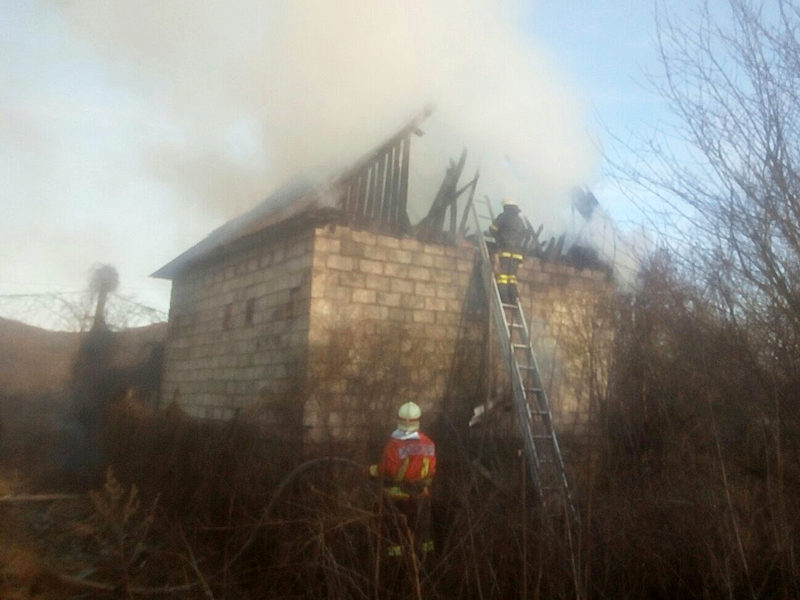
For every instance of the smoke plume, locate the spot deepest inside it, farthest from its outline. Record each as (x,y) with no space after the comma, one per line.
(258,91)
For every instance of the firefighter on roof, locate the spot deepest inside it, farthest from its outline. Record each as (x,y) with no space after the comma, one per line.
(508,230)
(406,469)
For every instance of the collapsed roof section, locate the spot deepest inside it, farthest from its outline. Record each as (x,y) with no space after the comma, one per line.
(371,194)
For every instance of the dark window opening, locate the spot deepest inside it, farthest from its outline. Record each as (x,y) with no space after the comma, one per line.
(227,319)
(291,306)
(249,311)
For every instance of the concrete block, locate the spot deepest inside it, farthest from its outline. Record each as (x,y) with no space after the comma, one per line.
(447,291)
(422,260)
(464,267)
(370,266)
(433,249)
(424,316)
(342,263)
(402,286)
(388,298)
(327,244)
(412,301)
(425,289)
(460,251)
(377,282)
(363,237)
(379,253)
(339,294)
(367,311)
(355,249)
(448,318)
(364,296)
(399,256)
(419,273)
(411,244)
(398,271)
(435,304)
(318,289)
(440,331)
(325,275)
(349,278)
(400,315)
(454,306)
(444,262)
(387,241)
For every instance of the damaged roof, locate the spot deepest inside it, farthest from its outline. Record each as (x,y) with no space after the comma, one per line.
(371,191)
(301,195)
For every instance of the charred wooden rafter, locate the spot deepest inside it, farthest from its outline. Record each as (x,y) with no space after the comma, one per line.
(431,228)
(375,190)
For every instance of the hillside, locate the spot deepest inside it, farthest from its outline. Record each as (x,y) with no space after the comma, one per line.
(35,360)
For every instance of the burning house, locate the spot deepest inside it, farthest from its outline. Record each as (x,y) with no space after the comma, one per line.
(328,274)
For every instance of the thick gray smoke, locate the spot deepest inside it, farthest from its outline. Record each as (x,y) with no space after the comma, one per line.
(260,90)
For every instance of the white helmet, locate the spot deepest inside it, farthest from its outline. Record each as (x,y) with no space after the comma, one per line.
(408,417)
(509,202)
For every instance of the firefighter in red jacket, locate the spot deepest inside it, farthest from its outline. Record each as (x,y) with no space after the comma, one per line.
(407,469)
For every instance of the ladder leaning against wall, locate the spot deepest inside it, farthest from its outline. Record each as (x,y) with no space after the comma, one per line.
(531,406)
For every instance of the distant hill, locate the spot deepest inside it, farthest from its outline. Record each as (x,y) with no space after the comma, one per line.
(35,360)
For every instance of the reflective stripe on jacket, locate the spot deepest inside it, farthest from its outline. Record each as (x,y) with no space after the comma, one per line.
(409,461)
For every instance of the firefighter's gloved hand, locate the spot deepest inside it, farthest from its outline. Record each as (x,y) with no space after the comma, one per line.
(371,471)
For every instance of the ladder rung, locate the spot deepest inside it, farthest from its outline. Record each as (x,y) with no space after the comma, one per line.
(529,395)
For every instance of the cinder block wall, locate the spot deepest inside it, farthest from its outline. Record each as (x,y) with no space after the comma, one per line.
(364,321)
(239,327)
(365,286)
(380,306)
(571,333)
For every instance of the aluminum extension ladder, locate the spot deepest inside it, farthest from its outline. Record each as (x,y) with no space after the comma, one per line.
(533,415)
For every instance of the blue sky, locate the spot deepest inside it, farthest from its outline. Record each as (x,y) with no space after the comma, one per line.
(119,132)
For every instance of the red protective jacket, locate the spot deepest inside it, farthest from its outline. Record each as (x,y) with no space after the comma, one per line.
(408,461)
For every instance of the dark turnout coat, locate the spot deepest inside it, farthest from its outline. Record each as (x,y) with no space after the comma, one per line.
(509,229)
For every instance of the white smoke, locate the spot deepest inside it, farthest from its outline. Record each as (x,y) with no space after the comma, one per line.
(259,91)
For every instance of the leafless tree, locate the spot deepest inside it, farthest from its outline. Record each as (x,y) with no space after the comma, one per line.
(76,311)
(723,182)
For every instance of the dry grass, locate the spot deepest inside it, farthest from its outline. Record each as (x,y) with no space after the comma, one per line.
(685,481)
